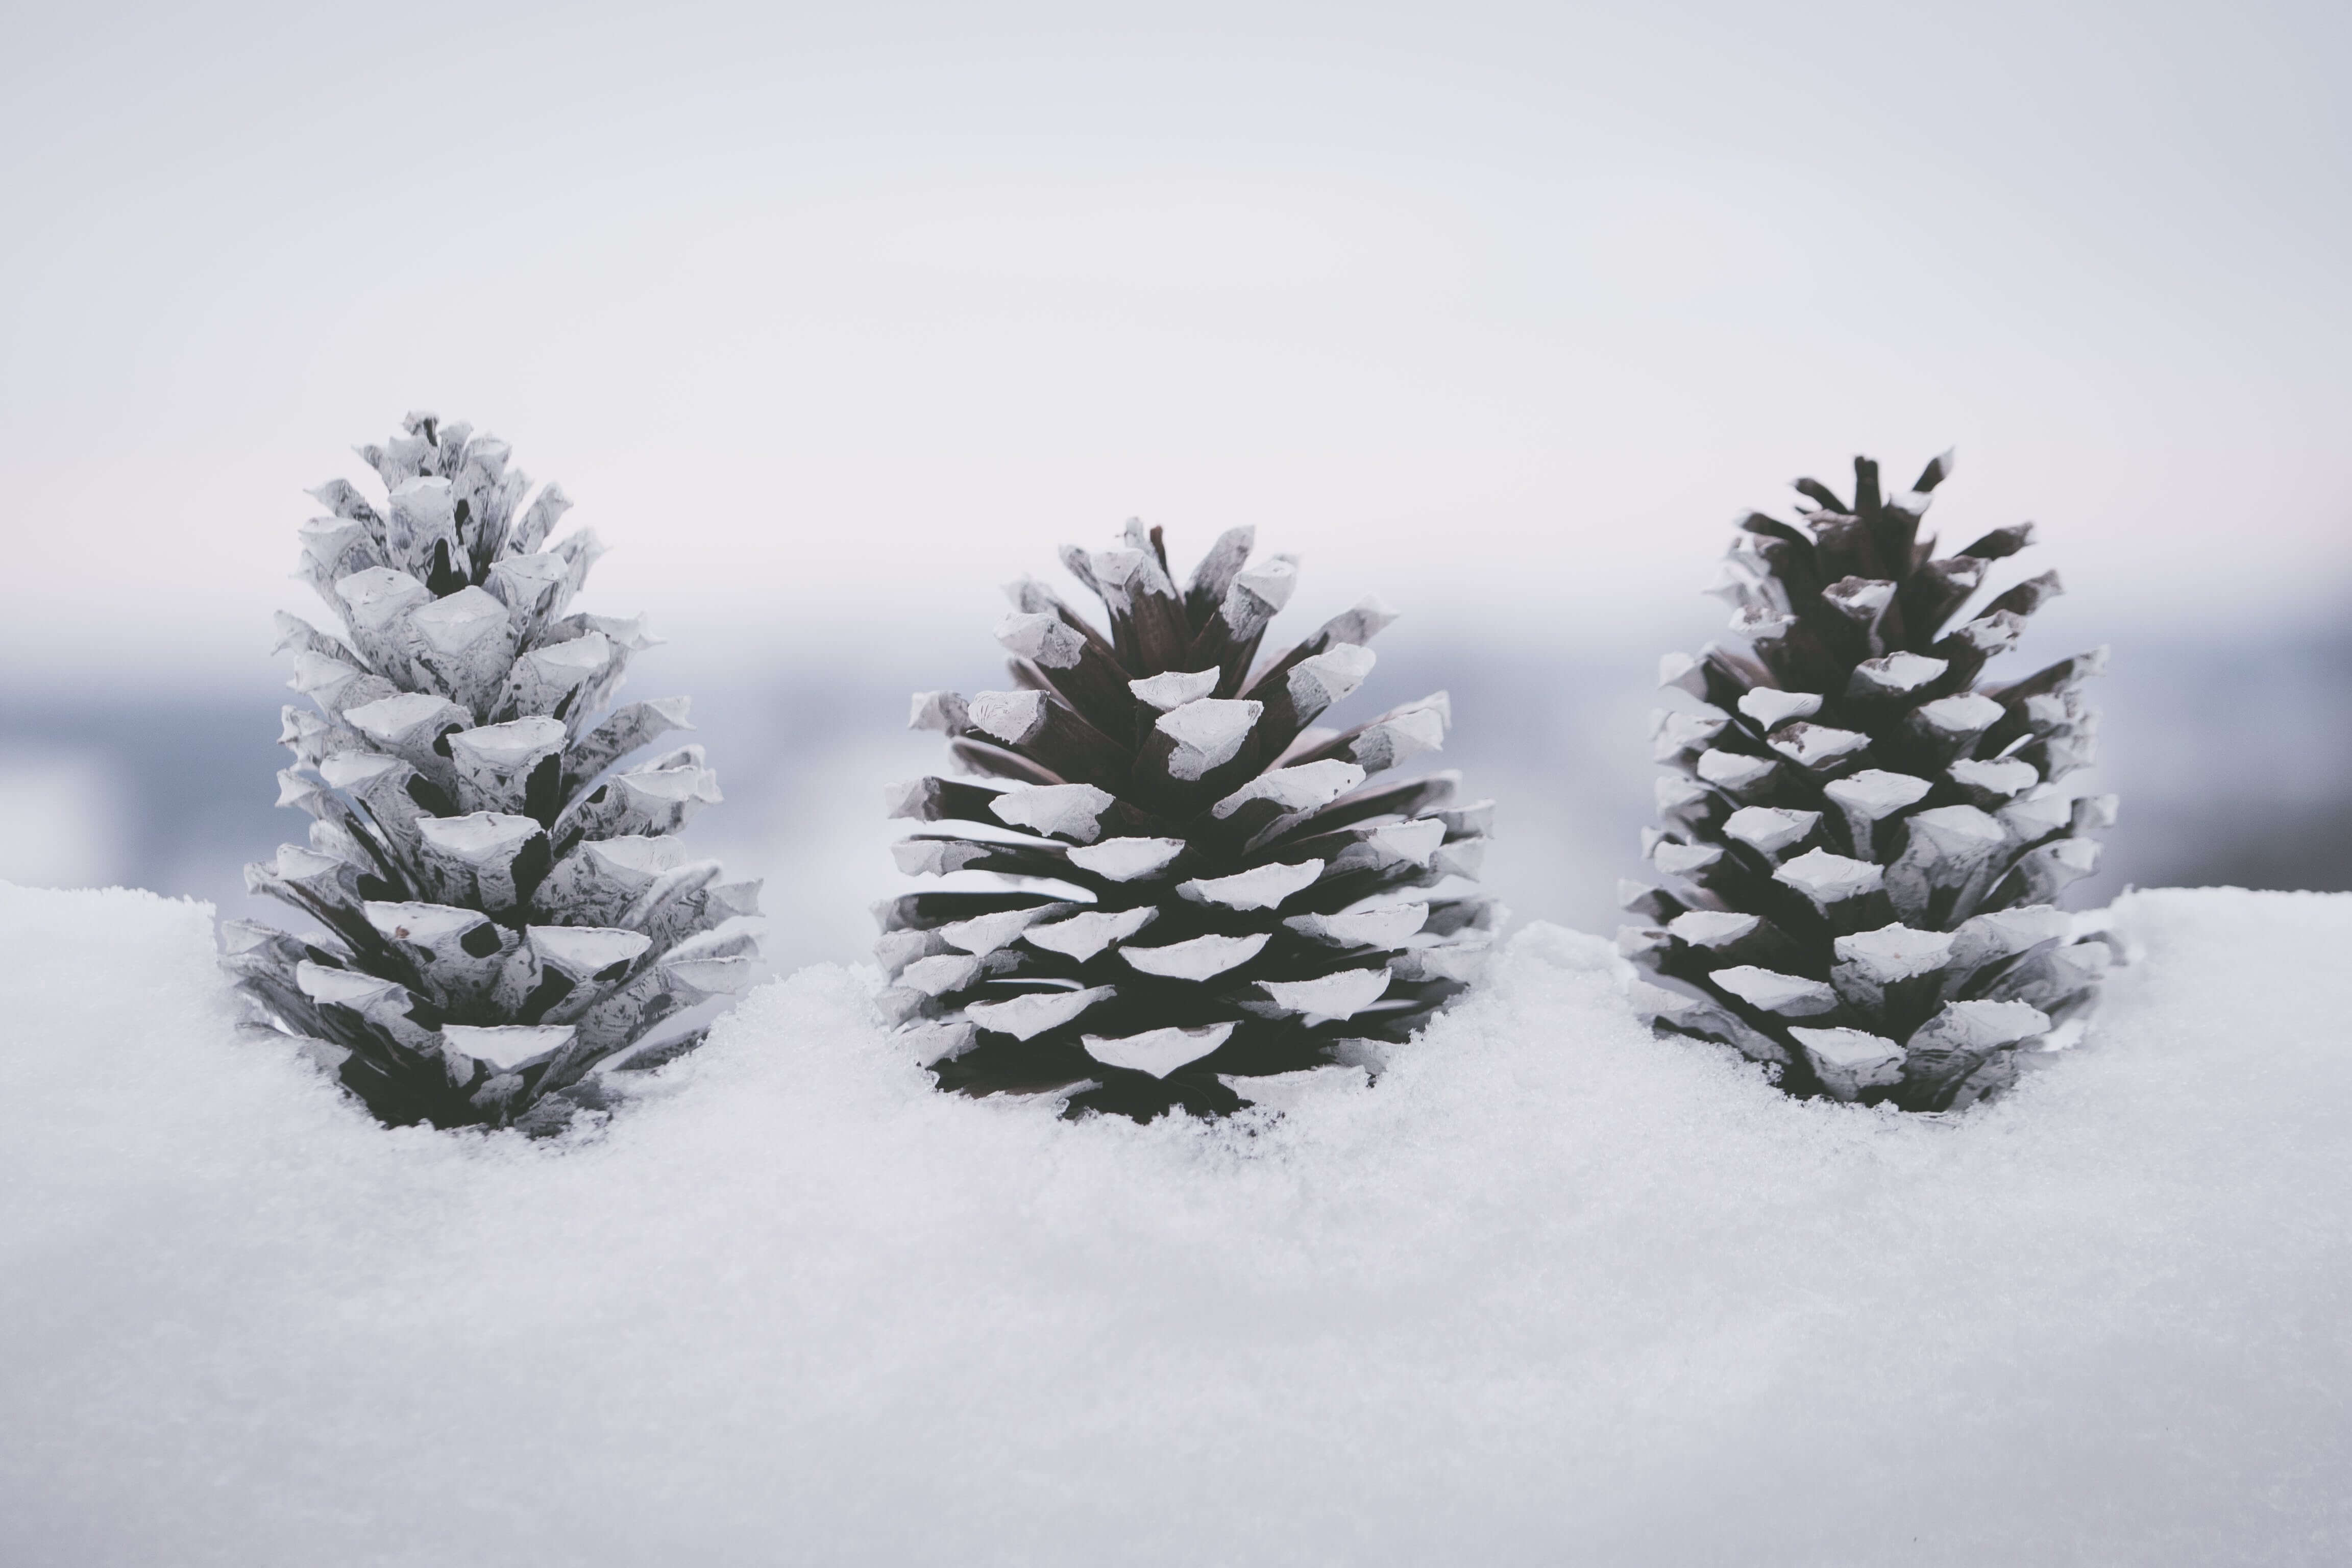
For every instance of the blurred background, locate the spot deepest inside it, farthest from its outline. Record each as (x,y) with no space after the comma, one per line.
(833,319)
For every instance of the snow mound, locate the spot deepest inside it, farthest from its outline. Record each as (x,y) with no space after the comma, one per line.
(1552,1290)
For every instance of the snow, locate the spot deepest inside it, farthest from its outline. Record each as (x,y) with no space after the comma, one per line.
(1551,1290)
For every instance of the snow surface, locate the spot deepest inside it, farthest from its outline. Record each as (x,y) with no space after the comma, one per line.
(1553,1290)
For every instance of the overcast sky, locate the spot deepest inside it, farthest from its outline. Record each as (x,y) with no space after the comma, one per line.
(845,313)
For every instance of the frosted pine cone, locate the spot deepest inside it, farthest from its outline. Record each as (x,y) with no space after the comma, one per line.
(1195,887)
(1866,843)
(504,913)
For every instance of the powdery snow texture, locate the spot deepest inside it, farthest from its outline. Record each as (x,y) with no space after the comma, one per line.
(1553,1291)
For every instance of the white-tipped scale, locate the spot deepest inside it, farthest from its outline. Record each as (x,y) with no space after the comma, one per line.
(1734,771)
(1207,733)
(1330,996)
(1166,692)
(1259,888)
(1970,1028)
(506,1045)
(984,935)
(1316,682)
(1817,746)
(1828,879)
(1202,958)
(1999,779)
(1072,811)
(1969,713)
(1893,952)
(941,973)
(1677,859)
(1044,639)
(1769,829)
(1127,859)
(1157,1051)
(1896,675)
(1675,732)
(1789,995)
(1373,926)
(1848,1061)
(944,711)
(1712,929)
(1082,936)
(1027,1016)
(1305,787)
(1772,709)
(937,856)
(1010,717)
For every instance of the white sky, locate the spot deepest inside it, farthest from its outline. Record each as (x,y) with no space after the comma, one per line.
(843,314)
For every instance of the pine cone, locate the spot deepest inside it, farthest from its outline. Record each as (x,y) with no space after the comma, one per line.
(1195,885)
(1869,842)
(504,914)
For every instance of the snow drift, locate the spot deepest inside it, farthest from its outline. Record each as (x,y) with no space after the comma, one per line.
(1552,1290)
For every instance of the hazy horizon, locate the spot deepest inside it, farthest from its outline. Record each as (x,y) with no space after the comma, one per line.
(832,321)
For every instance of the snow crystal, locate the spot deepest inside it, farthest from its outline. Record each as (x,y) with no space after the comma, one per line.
(1550,1290)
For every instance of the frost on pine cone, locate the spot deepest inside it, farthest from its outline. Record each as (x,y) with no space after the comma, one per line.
(1193,886)
(503,912)
(1865,843)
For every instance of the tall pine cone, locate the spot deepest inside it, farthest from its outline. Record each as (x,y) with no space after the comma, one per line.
(504,913)
(1197,886)
(1867,842)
